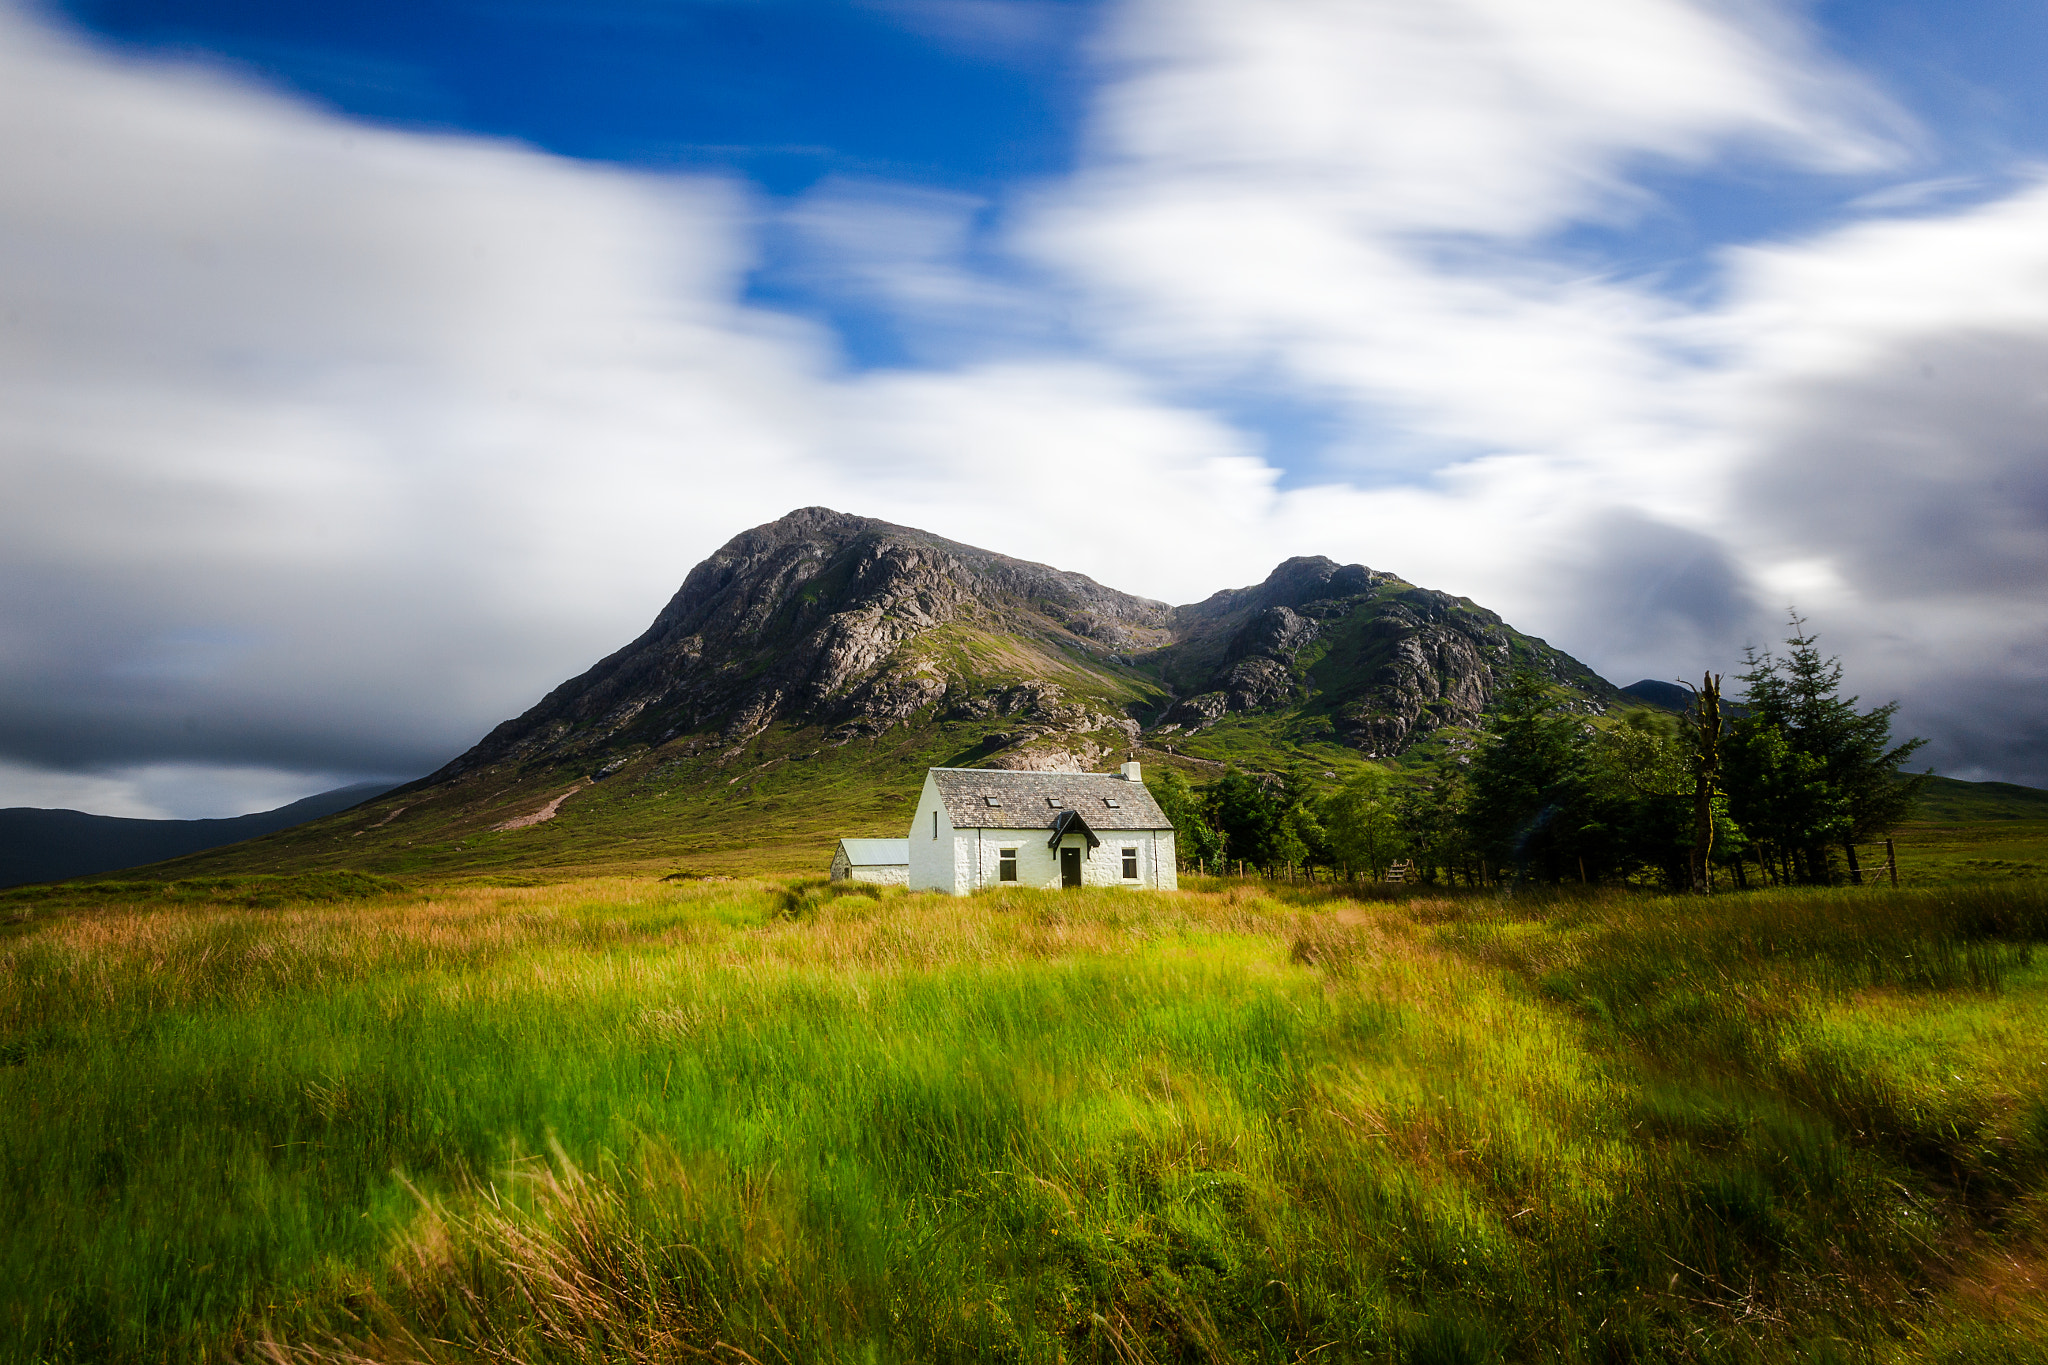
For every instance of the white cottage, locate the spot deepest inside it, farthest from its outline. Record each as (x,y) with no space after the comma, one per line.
(980,827)
(886,861)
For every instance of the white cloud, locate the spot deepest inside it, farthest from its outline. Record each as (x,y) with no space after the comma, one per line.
(163,791)
(1358,202)
(1891,383)
(325,444)
(329,447)
(1354,202)
(1916,193)
(1355,196)
(1470,116)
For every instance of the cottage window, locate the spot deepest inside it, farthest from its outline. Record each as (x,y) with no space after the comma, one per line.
(1006,865)
(935,824)
(1130,864)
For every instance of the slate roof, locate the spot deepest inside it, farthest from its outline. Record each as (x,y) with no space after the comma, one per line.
(877,852)
(1028,799)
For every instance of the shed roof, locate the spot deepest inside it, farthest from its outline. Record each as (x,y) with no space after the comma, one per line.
(1034,800)
(877,852)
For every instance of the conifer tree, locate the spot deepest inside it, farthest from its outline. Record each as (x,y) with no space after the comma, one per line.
(1533,803)
(1808,771)
(1362,820)
(1247,812)
(1433,826)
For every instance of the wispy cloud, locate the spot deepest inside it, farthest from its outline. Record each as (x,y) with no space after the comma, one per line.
(1917,193)
(1002,30)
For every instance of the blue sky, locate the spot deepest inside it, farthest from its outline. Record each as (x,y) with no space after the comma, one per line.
(783,93)
(376,366)
(984,99)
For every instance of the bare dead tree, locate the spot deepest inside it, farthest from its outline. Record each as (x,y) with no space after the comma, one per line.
(1706,770)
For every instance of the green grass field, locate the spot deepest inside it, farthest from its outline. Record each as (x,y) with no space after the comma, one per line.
(334,1117)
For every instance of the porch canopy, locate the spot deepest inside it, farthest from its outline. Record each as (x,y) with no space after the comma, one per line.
(1070,822)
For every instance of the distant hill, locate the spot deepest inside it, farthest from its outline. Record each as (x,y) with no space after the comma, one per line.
(807,673)
(1667,696)
(50,845)
(1671,696)
(1945,800)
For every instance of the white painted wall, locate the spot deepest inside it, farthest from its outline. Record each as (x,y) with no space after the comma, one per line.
(959,861)
(935,858)
(1039,866)
(881,874)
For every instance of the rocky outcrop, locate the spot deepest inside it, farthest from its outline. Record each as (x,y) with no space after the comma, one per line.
(1276,632)
(1046,731)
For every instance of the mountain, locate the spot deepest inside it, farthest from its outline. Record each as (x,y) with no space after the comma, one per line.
(1671,696)
(1665,696)
(48,845)
(804,676)
(1375,661)
(851,625)
(854,626)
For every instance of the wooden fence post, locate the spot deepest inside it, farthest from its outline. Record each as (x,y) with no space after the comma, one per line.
(1891,860)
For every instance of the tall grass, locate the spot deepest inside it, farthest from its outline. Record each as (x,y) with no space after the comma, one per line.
(636,1121)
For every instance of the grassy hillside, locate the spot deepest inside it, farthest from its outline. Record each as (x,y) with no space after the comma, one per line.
(627,1120)
(1931,852)
(1966,832)
(1944,800)
(777,805)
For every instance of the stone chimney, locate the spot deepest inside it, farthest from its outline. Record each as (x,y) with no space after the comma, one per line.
(1131,771)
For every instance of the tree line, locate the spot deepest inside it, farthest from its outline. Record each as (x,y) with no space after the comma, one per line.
(1778,787)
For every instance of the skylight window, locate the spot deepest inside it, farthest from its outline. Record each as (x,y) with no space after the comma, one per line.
(1053,801)
(1111,802)
(995,801)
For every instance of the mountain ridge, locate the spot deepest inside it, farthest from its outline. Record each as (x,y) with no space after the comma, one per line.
(805,674)
(854,623)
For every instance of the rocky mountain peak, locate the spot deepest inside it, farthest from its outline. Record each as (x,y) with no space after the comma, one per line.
(812,617)
(1386,662)
(853,625)
(1295,583)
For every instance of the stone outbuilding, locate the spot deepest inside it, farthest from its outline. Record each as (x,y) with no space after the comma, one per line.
(981,827)
(886,861)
